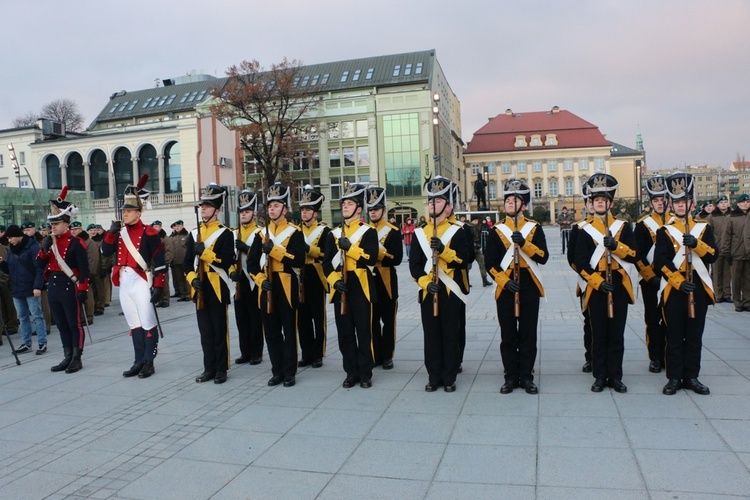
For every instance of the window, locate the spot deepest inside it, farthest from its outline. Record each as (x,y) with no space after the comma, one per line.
(333,130)
(334,158)
(305,81)
(492,190)
(553,188)
(402,154)
(418,70)
(709,178)
(132,104)
(370,71)
(363,156)
(200,96)
(491,168)
(407,70)
(537,166)
(347,130)
(362,128)
(551,140)
(536,140)
(397,70)
(1,160)
(520,141)
(184,98)
(355,77)
(113,108)
(599,162)
(315,80)
(521,167)
(474,169)
(170,101)
(325,79)
(123,106)
(295,82)
(568,187)
(537,189)
(506,167)
(583,164)
(190,99)
(568,165)
(551,165)
(348,157)
(163,100)
(344,77)
(22,157)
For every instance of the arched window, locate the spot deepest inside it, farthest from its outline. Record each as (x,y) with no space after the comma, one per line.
(149,164)
(54,175)
(99,175)
(173,169)
(123,170)
(75,174)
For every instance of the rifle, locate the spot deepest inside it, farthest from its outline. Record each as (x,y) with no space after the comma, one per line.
(610,299)
(435,263)
(198,297)
(343,276)
(268,270)
(516,267)
(689,263)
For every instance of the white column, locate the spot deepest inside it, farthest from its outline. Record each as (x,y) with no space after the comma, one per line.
(160,174)
(134,160)
(87,176)
(64,173)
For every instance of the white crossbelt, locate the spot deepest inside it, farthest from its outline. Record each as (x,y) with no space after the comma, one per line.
(125,235)
(630,270)
(208,244)
(243,266)
(336,260)
(444,278)
(525,230)
(679,256)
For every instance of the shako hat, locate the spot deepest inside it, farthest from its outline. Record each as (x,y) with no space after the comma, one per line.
(515,187)
(680,186)
(247,200)
(61,210)
(375,197)
(601,184)
(440,187)
(355,192)
(656,187)
(213,196)
(311,198)
(280,192)
(135,197)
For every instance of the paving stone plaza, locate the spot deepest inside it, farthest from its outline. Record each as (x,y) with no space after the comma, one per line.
(94,434)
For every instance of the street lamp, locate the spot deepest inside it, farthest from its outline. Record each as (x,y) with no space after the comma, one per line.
(436,125)
(13,159)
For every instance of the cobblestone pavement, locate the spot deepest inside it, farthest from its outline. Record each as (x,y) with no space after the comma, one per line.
(94,434)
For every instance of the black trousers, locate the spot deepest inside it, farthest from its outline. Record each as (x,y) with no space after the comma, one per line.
(383,324)
(656,332)
(311,317)
(249,322)
(145,343)
(518,335)
(608,344)
(684,335)
(442,353)
(565,236)
(66,310)
(280,327)
(354,331)
(212,324)
(586,331)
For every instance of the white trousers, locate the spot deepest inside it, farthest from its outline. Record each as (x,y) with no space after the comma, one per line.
(135,299)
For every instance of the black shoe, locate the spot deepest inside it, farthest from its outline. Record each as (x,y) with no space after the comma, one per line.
(486,283)
(431,387)
(289,382)
(65,362)
(728,299)
(738,309)
(134,370)
(147,370)
(241,360)
(220,378)
(275,380)
(349,382)
(303,363)
(388,364)
(205,377)
(317,363)
(98,313)
(164,304)
(255,361)
(587,368)
(530,387)
(75,363)
(617,385)
(450,388)
(366,383)
(672,387)
(184,299)
(175,295)
(599,385)
(508,386)
(694,385)
(654,366)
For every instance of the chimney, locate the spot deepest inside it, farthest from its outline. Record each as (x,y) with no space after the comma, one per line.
(555,109)
(508,112)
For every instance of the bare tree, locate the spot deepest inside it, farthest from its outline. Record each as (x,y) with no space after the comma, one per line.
(66,111)
(26,120)
(268,108)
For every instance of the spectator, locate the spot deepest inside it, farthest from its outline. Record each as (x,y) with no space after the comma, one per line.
(408,233)
(26,282)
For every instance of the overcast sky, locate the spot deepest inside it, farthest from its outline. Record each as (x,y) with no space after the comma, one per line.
(677,70)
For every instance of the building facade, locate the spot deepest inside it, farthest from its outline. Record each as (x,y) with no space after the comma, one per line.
(554,152)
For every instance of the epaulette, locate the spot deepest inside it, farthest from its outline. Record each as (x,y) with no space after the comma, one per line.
(392,226)
(531,220)
(150,231)
(644,217)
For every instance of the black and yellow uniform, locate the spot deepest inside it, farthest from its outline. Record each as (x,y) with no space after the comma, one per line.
(518,335)
(278,269)
(384,310)
(591,264)
(311,318)
(348,269)
(572,242)
(215,255)
(246,301)
(645,238)
(442,332)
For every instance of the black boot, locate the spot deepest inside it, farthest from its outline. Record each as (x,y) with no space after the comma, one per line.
(134,370)
(66,360)
(75,363)
(147,370)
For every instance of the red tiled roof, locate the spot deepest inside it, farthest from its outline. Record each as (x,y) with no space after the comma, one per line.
(499,135)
